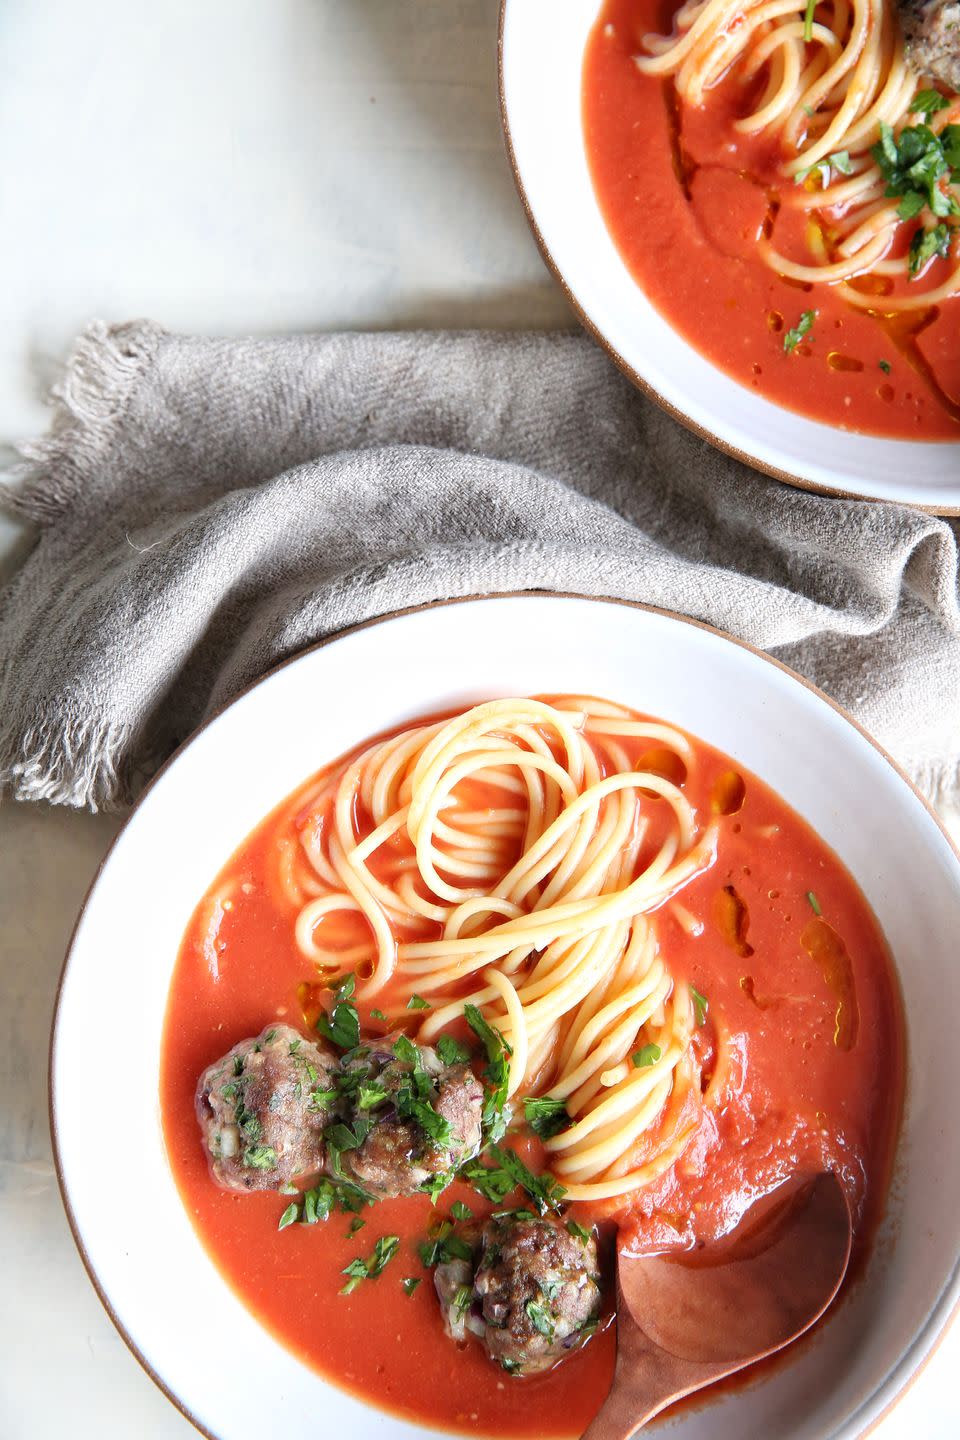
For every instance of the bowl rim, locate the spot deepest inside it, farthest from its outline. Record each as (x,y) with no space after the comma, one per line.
(623,365)
(904,1372)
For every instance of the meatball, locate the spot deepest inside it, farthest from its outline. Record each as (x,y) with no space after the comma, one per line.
(931,30)
(415,1118)
(262,1109)
(538,1288)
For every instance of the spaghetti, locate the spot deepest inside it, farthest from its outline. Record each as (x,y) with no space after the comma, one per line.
(512,858)
(830,84)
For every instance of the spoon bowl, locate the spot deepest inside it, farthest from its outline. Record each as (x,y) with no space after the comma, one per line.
(685,1322)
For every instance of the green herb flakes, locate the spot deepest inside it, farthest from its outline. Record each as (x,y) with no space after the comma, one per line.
(443,1245)
(358,1270)
(546,1116)
(701,1004)
(496,1073)
(543,1190)
(928,102)
(435,1186)
(260,1157)
(646,1056)
(803,327)
(451,1052)
(814,903)
(540,1319)
(459,1211)
(928,245)
(342,1026)
(417,1002)
(319,1202)
(920,167)
(410,1284)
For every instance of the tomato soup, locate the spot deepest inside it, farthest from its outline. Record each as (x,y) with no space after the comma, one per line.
(686,199)
(791,975)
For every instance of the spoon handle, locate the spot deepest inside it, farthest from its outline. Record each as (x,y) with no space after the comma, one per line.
(647,1380)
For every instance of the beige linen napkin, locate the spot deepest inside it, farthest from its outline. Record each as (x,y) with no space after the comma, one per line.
(208,507)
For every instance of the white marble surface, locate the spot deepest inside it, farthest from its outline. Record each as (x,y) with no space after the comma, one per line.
(229,167)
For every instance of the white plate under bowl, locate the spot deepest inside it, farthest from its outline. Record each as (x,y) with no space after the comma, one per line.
(167,1297)
(542,45)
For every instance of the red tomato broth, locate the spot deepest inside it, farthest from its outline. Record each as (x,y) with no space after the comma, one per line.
(804,1103)
(684,197)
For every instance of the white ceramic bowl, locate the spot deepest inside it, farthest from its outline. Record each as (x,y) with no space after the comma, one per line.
(150,1269)
(541,59)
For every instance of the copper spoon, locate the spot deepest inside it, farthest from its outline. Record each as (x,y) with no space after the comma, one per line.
(682,1323)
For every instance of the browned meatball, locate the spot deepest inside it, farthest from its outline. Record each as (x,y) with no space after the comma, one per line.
(415,1117)
(538,1288)
(262,1109)
(931,29)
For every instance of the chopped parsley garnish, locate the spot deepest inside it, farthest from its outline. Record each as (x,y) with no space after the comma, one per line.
(884,366)
(342,1026)
(319,1202)
(915,165)
(322,1199)
(341,1137)
(321,1099)
(803,327)
(493,1183)
(435,1186)
(578,1232)
(414,1096)
(443,1245)
(928,102)
(814,903)
(357,1270)
(497,1072)
(646,1056)
(459,1211)
(543,1190)
(546,1116)
(270,1035)
(461,1301)
(928,245)
(383,1253)
(260,1157)
(512,1367)
(451,1052)
(407,1051)
(808,21)
(540,1318)
(701,1004)
(355,1224)
(370,1094)
(378,1015)
(823,169)
(411,1283)
(417,1002)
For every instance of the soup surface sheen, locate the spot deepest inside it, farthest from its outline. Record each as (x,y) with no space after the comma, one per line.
(778,938)
(685,198)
